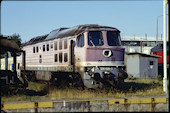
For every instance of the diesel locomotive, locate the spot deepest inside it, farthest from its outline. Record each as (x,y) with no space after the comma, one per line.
(89,55)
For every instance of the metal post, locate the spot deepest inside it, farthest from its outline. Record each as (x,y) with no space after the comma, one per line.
(6,61)
(164,48)
(157,31)
(0,18)
(23,61)
(14,61)
(168,37)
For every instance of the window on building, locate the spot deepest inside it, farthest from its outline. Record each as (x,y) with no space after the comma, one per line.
(43,47)
(65,44)
(151,62)
(60,57)
(80,40)
(55,45)
(47,47)
(65,57)
(60,45)
(144,44)
(55,58)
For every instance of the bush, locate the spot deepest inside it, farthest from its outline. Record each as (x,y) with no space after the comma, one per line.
(160,78)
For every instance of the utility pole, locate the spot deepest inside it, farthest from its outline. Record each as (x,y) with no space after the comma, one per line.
(157,31)
(164,47)
(146,36)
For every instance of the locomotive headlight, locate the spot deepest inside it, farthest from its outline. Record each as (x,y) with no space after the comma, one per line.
(107,53)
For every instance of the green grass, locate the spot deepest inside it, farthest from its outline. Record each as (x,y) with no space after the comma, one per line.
(131,88)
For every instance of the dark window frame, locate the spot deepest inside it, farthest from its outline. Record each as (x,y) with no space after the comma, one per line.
(65,44)
(33,49)
(37,49)
(80,40)
(60,45)
(43,48)
(56,58)
(91,40)
(60,57)
(55,45)
(40,59)
(47,47)
(113,39)
(151,62)
(65,57)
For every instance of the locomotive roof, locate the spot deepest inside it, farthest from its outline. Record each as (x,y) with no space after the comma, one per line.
(66,32)
(160,47)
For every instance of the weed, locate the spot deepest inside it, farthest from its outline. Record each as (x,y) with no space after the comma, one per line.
(40,91)
(160,77)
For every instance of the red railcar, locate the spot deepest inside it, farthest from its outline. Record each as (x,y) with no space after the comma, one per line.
(158,50)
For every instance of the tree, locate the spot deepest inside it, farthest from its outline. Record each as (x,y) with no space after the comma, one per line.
(17,39)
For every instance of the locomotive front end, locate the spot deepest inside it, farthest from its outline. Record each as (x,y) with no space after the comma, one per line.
(103,60)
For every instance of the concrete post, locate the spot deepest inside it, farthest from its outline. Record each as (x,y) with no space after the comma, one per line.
(164,48)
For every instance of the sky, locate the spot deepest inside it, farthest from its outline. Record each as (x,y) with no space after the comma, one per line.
(34,18)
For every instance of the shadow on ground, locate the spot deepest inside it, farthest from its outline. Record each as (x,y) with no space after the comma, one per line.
(133,86)
(30,92)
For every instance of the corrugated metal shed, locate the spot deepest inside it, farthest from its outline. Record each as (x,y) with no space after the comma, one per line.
(141,65)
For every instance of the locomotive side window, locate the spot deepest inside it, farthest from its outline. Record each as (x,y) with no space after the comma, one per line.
(65,57)
(95,38)
(33,49)
(60,57)
(60,45)
(65,44)
(37,49)
(55,45)
(56,58)
(51,46)
(47,47)
(113,38)
(43,47)
(80,40)
(40,60)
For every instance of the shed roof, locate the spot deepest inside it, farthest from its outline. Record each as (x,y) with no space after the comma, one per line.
(144,55)
(66,32)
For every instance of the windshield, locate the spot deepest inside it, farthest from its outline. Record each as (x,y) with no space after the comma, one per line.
(95,38)
(113,38)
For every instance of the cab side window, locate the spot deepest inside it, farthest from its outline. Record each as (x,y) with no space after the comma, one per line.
(80,40)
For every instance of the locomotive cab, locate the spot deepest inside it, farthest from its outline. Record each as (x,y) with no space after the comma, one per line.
(99,58)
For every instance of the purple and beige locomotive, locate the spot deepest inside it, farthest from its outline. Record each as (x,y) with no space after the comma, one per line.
(89,54)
